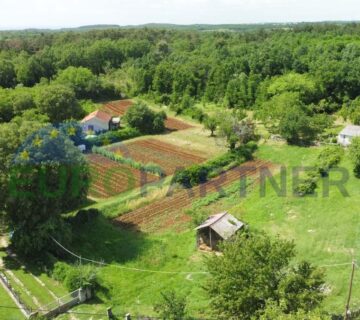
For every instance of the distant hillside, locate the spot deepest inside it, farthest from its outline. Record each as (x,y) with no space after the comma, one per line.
(198,27)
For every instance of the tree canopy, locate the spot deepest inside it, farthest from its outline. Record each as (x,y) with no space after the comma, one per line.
(254,271)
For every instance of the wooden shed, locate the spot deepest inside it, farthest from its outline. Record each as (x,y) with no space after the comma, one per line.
(219,227)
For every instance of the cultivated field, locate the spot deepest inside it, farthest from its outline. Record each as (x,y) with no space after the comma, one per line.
(169,157)
(184,198)
(109,178)
(119,108)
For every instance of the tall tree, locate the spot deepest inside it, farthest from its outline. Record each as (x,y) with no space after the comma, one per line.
(49,176)
(254,270)
(58,102)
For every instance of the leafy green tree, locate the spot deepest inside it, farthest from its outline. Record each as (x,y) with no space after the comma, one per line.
(301,288)
(28,69)
(58,102)
(22,100)
(171,306)
(141,117)
(48,177)
(303,84)
(6,107)
(81,80)
(276,311)
(236,129)
(253,270)
(237,92)
(7,74)
(297,127)
(12,135)
(355,155)
(211,124)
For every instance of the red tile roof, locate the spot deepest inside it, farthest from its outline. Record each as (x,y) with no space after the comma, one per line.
(101,115)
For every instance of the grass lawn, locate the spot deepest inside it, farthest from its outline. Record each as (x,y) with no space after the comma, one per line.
(137,292)
(10,313)
(34,286)
(325,229)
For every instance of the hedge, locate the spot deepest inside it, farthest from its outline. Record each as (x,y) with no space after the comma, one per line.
(200,173)
(110,137)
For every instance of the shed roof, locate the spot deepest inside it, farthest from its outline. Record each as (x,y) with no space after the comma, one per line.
(99,114)
(224,224)
(351,130)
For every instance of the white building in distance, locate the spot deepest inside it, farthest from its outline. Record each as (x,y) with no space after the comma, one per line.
(349,132)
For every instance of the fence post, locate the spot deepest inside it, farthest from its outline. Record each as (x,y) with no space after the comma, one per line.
(110,314)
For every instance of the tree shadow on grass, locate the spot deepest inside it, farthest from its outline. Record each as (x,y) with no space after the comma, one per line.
(103,241)
(99,240)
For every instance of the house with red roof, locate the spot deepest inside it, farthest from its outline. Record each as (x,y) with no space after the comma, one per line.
(99,121)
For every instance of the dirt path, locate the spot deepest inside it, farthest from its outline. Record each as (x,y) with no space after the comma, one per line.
(182,199)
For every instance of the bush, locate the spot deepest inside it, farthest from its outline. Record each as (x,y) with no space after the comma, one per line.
(198,216)
(113,137)
(171,306)
(200,173)
(305,188)
(81,276)
(196,114)
(142,118)
(329,158)
(60,271)
(355,155)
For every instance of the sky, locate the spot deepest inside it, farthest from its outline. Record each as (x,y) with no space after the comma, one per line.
(19,14)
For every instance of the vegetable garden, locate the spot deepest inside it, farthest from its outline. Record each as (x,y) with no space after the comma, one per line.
(167,156)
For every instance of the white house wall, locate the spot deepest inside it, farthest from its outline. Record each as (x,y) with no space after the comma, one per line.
(97,124)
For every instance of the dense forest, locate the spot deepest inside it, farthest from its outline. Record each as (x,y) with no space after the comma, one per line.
(313,66)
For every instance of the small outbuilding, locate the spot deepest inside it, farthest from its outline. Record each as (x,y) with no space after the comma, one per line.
(349,132)
(216,228)
(99,121)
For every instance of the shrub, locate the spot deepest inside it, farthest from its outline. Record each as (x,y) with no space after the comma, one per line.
(355,155)
(200,173)
(196,114)
(81,276)
(113,137)
(198,216)
(60,271)
(171,306)
(329,158)
(305,188)
(142,118)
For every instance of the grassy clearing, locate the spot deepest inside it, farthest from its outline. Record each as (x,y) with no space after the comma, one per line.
(195,140)
(325,229)
(136,292)
(8,313)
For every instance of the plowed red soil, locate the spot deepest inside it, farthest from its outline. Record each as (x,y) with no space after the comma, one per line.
(108,178)
(181,199)
(169,157)
(119,108)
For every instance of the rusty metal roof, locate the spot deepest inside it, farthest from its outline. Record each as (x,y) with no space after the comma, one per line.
(224,224)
